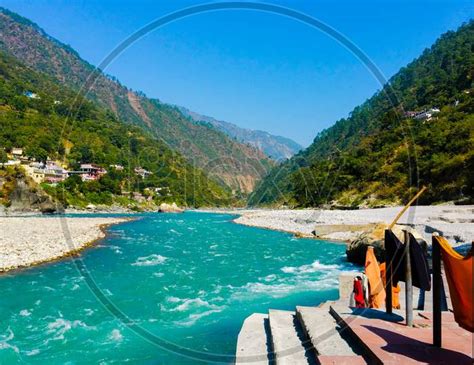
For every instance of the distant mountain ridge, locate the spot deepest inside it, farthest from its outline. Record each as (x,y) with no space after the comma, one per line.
(234,164)
(276,147)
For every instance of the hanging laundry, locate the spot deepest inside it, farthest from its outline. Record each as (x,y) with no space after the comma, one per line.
(458,271)
(365,288)
(419,262)
(395,289)
(376,287)
(395,253)
(395,256)
(358,293)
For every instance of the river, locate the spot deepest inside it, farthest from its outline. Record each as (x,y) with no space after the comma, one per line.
(165,288)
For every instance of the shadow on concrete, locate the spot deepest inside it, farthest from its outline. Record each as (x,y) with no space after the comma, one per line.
(376,314)
(417,350)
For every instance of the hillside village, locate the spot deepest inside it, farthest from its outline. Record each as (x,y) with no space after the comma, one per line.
(52,172)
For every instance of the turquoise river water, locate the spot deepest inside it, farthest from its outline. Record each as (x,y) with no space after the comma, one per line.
(165,288)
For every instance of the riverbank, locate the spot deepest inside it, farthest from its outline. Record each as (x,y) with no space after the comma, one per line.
(28,241)
(455,222)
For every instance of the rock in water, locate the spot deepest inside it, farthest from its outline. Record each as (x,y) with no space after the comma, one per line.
(169,208)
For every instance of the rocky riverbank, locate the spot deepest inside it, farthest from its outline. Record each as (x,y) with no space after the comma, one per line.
(454,222)
(26,241)
(364,227)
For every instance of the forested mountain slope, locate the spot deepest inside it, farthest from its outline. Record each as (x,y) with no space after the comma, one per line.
(235,164)
(380,153)
(52,124)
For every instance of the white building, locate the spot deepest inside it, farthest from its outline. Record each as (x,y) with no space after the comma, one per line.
(54,173)
(17,152)
(90,172)
(427,114)
(35,171)
(142,172)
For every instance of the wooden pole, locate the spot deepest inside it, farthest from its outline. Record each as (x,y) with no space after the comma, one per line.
(437,282)
(406,207)
(389,279)
(408,282)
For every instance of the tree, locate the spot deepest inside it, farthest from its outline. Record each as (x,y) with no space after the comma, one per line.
(38,153)
(3,156)
(73,183)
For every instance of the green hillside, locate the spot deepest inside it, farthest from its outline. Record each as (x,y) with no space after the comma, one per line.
(379,154)
(234,164)
(59,125)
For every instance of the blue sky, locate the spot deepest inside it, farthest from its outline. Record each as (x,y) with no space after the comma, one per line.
(258,70)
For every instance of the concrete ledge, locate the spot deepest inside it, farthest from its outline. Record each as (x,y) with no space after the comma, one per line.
(253,342)
(320,328)
(287,339)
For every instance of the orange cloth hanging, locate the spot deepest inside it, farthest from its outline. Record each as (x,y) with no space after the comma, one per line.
(372,270)
(395,289)
(458,271)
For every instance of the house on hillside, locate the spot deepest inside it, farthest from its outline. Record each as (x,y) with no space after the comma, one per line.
(36,171)
(90,172)
(422,115)
(38,175)
(142,172)
(17,153)
(427,114)
(53,173)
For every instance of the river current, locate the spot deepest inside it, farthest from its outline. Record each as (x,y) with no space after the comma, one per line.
(164,288)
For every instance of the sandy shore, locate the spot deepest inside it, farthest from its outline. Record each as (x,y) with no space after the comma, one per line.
(454,222)
(26,241)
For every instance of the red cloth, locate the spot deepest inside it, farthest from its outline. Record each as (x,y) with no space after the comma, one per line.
(358,294)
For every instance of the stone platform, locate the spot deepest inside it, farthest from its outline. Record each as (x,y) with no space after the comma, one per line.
(334,333)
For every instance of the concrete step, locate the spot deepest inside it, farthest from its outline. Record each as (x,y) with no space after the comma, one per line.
(320,328)
(341,360)
(325,305)
(253,342)
(344,315)
(288,341)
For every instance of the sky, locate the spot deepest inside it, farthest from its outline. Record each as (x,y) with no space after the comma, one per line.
(257,70)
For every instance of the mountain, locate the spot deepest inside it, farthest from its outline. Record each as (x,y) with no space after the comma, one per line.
(277,147)
(234,164)
(384,151)
(55,123)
